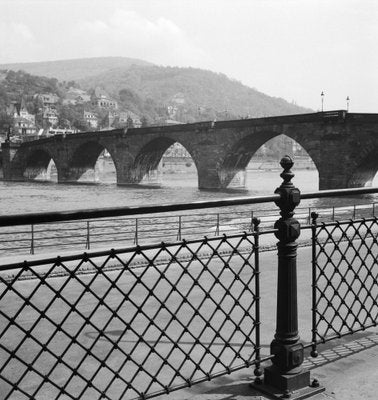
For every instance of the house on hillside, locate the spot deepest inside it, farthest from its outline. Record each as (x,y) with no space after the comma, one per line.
(110,118)
(102,100)
(49,111)
(50,117)
(18,110)
(23,121)
(172,111)
(76,96)
(91,119)
(48,99)
(23,127)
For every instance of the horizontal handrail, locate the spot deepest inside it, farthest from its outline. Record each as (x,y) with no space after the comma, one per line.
(88,233)
(347,221)
(338,192)
(39,218)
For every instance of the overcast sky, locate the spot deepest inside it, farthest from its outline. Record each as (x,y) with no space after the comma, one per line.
(293,49)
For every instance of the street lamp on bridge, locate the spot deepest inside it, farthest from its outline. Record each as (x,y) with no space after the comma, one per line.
(322,97)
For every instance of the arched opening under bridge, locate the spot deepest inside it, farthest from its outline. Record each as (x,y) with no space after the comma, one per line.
(41,167)
(92,163)
(164,162)
(366,172)
(374,182)
(263,170)
(254,165)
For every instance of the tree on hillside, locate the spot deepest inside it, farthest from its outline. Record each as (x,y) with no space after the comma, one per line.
(144,122)
(130,100)
(6,122)
(4,100)
(72,116)
(22,83)
(34,105)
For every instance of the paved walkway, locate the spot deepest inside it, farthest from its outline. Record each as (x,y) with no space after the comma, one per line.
(347,369)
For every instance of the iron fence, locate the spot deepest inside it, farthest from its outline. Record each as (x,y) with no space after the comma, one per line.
(344,277)
(135,331)
(142,321)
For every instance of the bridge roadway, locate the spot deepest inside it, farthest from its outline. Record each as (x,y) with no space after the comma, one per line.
(343,146)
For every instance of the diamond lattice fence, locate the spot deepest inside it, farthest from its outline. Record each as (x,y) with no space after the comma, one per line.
(130,323)
(345,278)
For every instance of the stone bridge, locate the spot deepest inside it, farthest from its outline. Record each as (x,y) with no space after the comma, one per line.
(343,146)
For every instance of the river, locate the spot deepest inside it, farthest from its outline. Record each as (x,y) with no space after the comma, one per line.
(25,197)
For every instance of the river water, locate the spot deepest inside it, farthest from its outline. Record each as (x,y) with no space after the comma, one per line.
(25,197)
(32,197)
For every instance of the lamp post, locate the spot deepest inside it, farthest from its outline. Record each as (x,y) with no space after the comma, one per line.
(322,97)
(286,378)
(347,100)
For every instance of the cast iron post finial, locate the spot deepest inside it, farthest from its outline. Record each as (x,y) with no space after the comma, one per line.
(286,374)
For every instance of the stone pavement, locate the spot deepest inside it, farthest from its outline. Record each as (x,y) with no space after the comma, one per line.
(346,368)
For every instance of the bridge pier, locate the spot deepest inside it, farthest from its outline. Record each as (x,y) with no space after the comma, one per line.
(70,174)
(127,174)
(13,167)
(332,179)
(208,179)
(336,177)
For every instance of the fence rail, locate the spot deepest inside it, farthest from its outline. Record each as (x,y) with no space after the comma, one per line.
(139,321)
(122,231)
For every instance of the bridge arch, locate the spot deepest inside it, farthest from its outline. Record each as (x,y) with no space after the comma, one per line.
(242,152)
(150,155)
(84,159)
(38,164)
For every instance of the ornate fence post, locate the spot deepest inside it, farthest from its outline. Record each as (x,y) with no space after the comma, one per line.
(286,378)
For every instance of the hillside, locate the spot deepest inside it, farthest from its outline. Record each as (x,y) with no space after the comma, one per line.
(199,94)
(68,70)
(154,94)
(15,86)
(196,94)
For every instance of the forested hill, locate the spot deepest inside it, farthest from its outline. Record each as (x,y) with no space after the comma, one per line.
(15,86)
(200,93)
(154,92)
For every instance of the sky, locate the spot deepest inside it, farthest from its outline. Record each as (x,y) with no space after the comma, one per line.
(294,49)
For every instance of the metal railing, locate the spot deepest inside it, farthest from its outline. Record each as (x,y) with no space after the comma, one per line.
(122,231)
(344,278)
(165,319)
(141,321)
